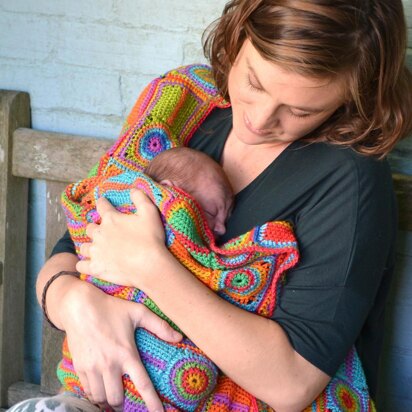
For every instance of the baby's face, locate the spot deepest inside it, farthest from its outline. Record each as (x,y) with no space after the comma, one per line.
(215,201)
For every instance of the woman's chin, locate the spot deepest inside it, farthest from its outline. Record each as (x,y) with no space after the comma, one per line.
(249,138)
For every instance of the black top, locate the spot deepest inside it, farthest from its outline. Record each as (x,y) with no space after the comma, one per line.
(344,215)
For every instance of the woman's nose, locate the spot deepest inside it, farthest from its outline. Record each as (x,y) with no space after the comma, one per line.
(264,117)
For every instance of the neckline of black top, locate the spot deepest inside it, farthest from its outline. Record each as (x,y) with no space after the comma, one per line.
(218,126)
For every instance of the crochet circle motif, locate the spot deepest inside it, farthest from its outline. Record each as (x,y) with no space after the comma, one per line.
(153,142)
(345,397)
(242,282)
(190,379)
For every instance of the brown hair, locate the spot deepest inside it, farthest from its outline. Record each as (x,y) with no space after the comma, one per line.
(364,40)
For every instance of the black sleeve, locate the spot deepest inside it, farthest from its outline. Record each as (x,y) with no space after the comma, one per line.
(346,231)
(64,245)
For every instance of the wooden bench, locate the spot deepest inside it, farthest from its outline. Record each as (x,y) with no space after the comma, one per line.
(28,154)
(58,159)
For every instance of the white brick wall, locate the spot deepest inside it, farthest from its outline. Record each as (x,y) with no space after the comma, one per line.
(84,63)
(87,60)
(408,12)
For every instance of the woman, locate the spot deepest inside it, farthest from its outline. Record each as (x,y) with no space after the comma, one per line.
(319,94)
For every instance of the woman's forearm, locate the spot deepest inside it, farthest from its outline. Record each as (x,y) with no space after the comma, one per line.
(60,287)
(58,262)
(253,351)
(101,338)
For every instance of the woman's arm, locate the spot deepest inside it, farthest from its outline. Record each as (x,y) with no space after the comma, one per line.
(253,351)
(100,356)
(57,263)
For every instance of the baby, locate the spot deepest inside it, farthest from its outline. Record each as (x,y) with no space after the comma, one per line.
(201,177)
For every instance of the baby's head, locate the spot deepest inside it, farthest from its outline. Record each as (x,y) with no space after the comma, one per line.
(200,176)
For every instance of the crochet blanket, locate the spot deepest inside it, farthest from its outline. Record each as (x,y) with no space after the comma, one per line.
(244,271)
(247,271)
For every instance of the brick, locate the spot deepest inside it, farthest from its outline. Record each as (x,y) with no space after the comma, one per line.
(25,37)
(83,9)
(118,48)
(407,5)
(408,14)
(131,87)
(176,15)
(193,53)
(65,87)
(72,122)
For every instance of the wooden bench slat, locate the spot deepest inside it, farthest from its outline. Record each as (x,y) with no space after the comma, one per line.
(14,112)
(55,156)
(51,338)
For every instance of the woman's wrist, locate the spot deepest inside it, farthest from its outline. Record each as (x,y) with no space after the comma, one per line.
(145,275)
(66,297)
(78,309)
(46,288)
(58,299)
(138,270)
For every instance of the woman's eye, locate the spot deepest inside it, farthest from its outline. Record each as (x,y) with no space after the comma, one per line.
(299,114)
(252,86)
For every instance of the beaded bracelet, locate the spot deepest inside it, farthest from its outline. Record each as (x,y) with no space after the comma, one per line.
(46,287)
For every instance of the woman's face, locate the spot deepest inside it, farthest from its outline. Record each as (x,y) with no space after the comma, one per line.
(272,105)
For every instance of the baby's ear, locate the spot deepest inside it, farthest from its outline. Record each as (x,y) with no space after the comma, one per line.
(167,182)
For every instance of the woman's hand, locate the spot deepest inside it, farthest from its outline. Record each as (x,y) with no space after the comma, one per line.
(124,246)
(102,345)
